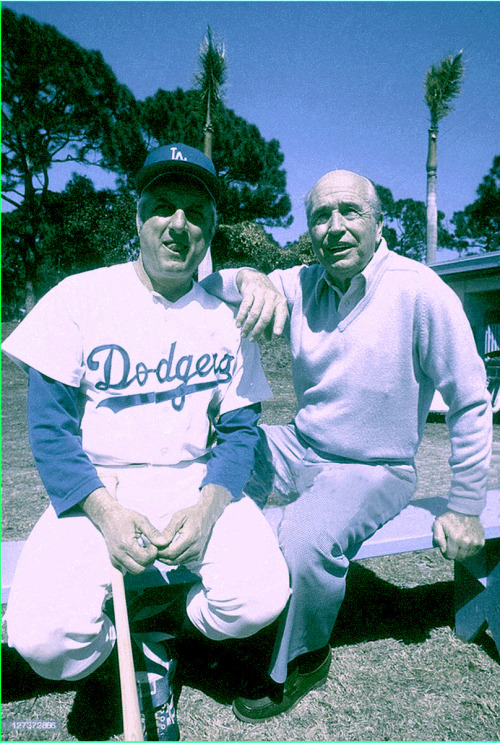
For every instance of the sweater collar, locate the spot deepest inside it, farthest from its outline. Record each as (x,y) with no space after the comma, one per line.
(363,279)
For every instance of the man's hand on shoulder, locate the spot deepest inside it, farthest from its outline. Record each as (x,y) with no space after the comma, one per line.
(122,529)
(190,528)
(457,535)
(263,308)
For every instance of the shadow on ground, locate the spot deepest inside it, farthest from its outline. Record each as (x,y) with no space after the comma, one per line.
(373,609)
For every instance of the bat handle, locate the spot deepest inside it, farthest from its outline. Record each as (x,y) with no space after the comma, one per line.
(132,725)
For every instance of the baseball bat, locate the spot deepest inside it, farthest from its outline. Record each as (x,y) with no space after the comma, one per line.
(132,726)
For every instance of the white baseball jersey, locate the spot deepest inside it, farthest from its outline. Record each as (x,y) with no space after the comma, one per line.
(152,373)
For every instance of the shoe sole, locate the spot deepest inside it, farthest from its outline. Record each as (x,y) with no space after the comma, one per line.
(244,718)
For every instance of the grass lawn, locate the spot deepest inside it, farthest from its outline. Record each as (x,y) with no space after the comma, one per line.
(398,670)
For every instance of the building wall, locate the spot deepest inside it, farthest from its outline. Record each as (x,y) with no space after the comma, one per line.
(480,298)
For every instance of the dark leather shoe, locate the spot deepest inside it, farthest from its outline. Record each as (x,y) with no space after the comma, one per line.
(296,686)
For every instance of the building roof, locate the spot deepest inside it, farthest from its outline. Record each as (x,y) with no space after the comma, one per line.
(485,263)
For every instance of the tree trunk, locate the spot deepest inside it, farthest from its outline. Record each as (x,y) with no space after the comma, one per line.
(30,255)
(31,215)
(30,300)
(207,141)
(431,196)
(206,267)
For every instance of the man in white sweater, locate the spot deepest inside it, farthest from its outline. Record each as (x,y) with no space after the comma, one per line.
(372,336)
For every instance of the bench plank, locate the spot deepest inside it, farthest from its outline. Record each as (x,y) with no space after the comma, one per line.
(477,580)
(10,555)
(411,530)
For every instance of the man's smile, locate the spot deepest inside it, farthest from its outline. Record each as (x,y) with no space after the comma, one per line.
(173,247)
(338,248)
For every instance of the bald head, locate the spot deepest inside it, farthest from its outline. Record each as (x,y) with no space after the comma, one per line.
(344,217)
(347,177)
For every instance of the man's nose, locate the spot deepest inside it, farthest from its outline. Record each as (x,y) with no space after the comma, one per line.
(336,222)
(178,221)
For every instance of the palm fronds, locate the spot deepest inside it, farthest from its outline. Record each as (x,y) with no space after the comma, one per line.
(442,85)
(213,72)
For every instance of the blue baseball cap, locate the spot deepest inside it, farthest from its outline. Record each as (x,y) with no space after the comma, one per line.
(179,159)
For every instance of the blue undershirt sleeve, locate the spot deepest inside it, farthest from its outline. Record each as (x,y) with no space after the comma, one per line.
(232,459)
(67,473)
(69,476)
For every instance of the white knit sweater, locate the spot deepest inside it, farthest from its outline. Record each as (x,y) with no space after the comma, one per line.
(366,364)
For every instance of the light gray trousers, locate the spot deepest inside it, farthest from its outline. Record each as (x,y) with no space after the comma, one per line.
(326,510)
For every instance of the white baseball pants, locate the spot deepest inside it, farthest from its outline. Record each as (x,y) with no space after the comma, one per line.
(55,613)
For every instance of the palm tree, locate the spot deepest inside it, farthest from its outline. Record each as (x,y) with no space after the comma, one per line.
(209,81)
(442,85)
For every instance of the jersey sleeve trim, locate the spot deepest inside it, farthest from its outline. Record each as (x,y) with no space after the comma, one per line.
(232,459)
(66,471)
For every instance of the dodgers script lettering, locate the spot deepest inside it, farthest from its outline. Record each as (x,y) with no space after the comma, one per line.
(117,373)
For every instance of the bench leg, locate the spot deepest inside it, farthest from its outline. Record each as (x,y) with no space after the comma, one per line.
(477,593)
(493,588)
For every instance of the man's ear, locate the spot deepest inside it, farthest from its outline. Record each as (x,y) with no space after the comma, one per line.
(138,222)
(380,225)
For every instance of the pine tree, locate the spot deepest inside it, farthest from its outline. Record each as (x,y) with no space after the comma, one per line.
(60,103)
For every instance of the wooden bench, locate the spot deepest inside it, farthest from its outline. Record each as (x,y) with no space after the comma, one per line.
(476,580)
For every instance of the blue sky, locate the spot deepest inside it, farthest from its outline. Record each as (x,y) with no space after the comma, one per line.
(339,84)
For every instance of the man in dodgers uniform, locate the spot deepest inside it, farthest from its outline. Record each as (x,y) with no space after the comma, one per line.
(372,336)
(139,378)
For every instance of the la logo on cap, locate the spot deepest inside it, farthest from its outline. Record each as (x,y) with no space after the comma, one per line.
(177,154)
(182,159)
